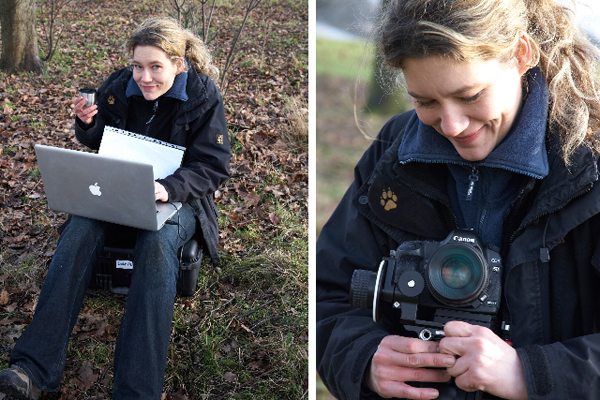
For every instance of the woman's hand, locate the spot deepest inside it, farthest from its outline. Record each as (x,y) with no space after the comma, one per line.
(85,114)
(400,359)
(160,193)
(485,362)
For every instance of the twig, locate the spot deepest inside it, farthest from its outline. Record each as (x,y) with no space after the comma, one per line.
(233,124)
(255,309)
(224,304)
(251,6)
(262,321)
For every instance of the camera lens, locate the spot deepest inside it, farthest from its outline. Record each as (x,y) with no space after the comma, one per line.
(457,271)
(457,274)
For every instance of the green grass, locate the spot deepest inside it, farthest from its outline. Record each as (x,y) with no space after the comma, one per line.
(27,269)
(248,317)
(343,59)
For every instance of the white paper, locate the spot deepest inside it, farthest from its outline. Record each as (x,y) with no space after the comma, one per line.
(164,157)
(124,264)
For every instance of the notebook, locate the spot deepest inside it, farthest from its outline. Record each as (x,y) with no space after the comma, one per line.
(106,188)
(164,157)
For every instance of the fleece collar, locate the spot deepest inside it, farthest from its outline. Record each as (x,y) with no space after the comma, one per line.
(177,91)
(523,150)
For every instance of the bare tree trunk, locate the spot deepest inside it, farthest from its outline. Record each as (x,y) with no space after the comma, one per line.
(19,38)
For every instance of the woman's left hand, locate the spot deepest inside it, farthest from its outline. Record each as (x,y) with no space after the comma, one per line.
(485,362)
(160,193)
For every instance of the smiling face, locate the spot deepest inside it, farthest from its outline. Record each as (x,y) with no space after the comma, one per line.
(472,104)
(153,71)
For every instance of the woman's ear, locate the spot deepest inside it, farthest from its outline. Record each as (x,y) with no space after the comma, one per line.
(180,65)
(523,53)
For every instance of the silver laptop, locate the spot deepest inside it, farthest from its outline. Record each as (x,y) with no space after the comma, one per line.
(105,188)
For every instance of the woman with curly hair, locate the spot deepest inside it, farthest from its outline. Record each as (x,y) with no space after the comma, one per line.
(502,143)
(167,93)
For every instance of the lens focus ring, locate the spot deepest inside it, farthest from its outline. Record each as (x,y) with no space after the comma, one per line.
(359,289)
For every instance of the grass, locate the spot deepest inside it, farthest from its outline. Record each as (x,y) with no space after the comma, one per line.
(339,142)
(347,60)
(251,321)
(297,129)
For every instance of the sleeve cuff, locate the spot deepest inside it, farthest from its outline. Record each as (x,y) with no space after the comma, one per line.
(169,188)
(537,370)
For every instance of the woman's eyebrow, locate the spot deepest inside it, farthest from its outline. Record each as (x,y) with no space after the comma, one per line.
(459,91)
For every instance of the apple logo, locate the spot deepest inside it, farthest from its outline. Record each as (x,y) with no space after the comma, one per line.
(95,189)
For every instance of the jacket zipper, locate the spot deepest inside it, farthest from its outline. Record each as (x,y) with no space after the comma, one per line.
(154,109)
(474,177)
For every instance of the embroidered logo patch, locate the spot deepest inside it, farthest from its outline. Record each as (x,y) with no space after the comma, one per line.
(111,100)
(219,139)
(388,200)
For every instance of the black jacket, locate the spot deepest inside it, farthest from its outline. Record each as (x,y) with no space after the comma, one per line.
(553,307)
(198,125)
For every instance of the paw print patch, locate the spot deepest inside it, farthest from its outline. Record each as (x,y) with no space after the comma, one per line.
(388,200)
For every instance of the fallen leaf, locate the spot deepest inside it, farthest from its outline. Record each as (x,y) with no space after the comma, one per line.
(87,376)
(230,377)
(4,297)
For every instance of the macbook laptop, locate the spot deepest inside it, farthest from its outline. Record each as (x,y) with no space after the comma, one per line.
(105,188)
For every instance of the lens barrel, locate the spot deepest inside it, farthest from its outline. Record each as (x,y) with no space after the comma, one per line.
(457,274)
(362,288)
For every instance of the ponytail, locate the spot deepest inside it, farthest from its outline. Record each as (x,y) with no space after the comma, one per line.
(199,57)
(569,63)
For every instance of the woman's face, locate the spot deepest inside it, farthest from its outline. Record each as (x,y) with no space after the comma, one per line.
(153,71)
(472,104)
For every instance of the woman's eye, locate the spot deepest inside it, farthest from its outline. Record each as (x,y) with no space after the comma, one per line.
(423,104)
(471,99)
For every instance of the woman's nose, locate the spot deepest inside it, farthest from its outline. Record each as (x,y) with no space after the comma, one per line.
(453,122)
(146,76)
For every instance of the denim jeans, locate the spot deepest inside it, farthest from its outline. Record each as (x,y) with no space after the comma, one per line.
(143,339)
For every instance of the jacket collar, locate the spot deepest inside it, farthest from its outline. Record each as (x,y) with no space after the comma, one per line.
(115,98)
(424,185)
(523,150)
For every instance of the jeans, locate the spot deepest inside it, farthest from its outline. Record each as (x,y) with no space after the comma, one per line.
(142,343)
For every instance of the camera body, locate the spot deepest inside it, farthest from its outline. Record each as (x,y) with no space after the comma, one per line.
(432,283)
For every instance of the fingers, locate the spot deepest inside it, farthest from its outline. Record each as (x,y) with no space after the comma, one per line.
(399,360)
(85,114)
(408,345)
(459,328)
(160,193)
(462,338)
(405,391)
(414,353)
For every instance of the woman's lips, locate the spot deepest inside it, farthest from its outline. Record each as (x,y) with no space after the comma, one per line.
(469,138)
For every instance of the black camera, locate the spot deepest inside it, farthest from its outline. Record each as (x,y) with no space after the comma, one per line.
(432,283)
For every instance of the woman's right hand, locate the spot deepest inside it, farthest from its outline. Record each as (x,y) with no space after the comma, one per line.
(399,360)
(85,114)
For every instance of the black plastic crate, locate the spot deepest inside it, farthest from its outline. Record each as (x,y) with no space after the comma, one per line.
(114,267)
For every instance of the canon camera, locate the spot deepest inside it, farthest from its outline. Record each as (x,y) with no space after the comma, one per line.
(431,283)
